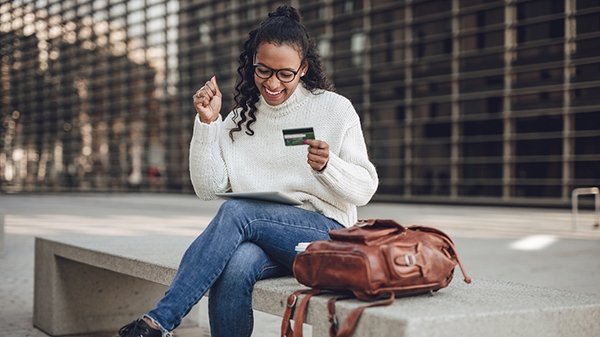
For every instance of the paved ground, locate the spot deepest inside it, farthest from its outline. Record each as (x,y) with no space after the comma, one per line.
(525,245)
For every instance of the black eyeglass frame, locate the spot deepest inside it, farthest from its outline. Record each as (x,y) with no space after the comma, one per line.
(276,72)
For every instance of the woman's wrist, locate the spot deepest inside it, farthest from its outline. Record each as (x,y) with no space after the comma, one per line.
(207,120)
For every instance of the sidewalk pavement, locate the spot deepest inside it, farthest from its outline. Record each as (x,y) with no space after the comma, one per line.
(525,245)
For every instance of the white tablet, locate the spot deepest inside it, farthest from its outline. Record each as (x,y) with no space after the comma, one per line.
(277,197)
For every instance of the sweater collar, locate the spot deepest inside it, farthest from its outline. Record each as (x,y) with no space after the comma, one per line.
(298,98)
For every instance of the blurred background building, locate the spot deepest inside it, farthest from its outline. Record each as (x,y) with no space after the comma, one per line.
(476,101)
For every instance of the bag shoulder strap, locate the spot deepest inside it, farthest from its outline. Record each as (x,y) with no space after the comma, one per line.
(350,323)
(286,327)
(344,330)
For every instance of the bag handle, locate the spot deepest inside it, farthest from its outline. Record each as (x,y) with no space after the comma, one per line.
(350,323)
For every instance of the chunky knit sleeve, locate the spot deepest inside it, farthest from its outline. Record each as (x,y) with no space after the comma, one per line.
(349,174)
(207,169)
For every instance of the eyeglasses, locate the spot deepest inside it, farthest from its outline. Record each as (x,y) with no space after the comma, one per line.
(284,75)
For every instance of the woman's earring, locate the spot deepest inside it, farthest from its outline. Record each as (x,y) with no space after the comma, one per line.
(302,75)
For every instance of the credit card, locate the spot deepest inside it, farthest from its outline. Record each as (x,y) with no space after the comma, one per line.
(297,136)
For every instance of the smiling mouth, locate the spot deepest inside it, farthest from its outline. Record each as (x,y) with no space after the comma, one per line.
(272,93)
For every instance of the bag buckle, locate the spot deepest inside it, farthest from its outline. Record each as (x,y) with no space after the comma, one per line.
(410,259)
(291,302)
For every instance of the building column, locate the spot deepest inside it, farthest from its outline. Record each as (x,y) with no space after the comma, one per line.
(366,72)
(408,118)
(568,155)
(455,154)
(510,54)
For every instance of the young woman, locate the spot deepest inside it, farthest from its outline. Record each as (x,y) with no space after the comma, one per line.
(282,86)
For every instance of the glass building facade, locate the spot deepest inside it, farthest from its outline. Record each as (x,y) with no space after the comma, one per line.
(476,101)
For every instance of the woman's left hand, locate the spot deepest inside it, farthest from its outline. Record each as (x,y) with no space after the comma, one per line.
(318,154)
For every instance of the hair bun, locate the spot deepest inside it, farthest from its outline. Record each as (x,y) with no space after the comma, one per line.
(286,11)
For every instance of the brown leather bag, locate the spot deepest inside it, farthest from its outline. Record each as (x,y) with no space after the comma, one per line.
(375,259)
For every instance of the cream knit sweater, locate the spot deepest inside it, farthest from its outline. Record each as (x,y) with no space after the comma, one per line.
(263,163)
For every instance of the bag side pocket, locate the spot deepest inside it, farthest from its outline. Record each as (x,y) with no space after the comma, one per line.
(333,269)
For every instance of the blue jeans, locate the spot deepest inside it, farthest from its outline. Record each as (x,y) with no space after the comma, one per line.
(245,242)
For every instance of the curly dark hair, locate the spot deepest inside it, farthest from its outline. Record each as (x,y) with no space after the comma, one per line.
(284,26)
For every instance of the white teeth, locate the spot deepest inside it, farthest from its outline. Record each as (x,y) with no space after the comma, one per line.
(272,93)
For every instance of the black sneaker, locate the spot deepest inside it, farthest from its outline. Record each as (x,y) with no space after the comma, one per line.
(139,328)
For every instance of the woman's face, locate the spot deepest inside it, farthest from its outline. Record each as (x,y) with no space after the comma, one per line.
(277,57)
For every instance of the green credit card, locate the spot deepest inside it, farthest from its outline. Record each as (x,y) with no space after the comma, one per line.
(297,136)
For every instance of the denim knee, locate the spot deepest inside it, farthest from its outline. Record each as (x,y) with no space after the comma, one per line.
(231,295)
(231,208)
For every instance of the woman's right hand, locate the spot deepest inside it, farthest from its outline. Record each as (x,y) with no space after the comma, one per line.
(208,100)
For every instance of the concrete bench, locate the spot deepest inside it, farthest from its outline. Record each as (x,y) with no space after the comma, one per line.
(91,284)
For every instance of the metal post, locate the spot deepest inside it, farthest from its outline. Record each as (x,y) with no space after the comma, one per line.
(585,191)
